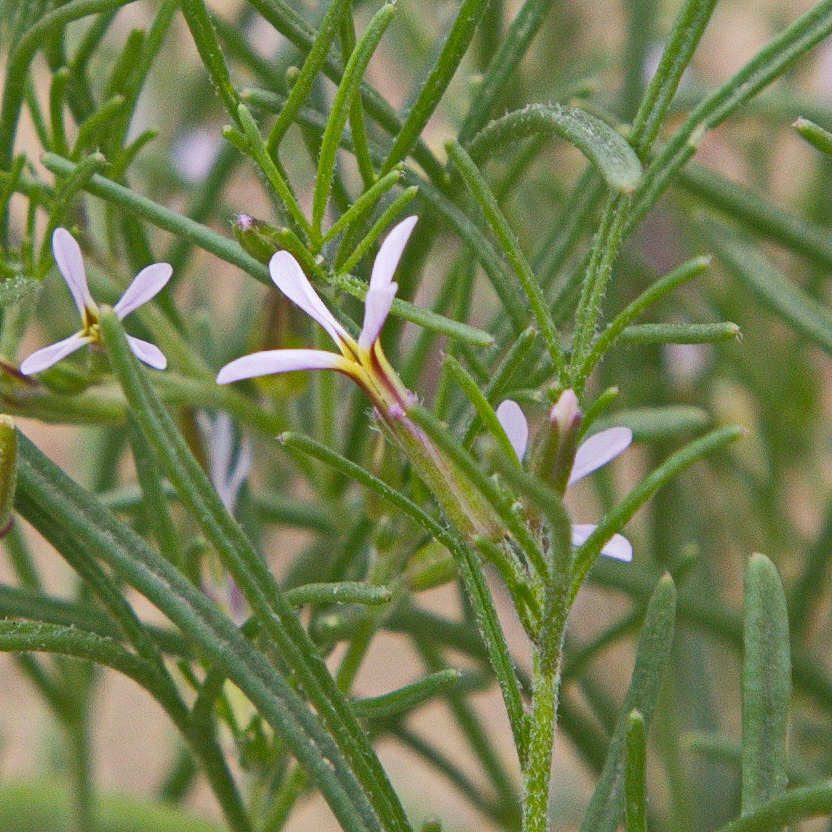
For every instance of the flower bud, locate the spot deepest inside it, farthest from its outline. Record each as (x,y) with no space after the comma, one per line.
(256,237)
(553,462)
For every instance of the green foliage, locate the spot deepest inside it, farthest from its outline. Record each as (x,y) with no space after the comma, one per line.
(573,277)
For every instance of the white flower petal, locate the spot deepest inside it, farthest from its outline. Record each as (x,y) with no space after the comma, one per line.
(52,354)
(376,309)
(146,285)
(598,450)
(280,361)
(514,423)
(617,546)
(290,279)
(387,259)
(382,288)
(71,265)
(149,353)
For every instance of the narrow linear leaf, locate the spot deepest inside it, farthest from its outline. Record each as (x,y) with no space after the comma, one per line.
(773,289)
(268,603)
(796,804)
(342,592)
(204,34)
(409,697)
(347,90)
(454,48)
(650,424)
(607,149)
(607,804)
(766,685)
(58,507)
(635,792)
(644,334)
(315,59)
(814,134)
(759,215)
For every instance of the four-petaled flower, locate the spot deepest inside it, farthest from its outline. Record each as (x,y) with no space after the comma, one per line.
(596,451)
(146,285)
(363,359)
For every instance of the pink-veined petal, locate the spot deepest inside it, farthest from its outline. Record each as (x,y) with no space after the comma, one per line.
(382,288)
(376,309)
(389,254)
(149,353)
(617,546)
(290,279)
(280,361)
(145,286)
(52,354)
(71,265)
(514,423)
(598,450)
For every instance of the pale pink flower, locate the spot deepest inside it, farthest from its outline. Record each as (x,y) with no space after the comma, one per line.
(145,286)
(596,451)
(363,360)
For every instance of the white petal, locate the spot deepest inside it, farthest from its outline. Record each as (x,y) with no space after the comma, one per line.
(71,265)
(382,288)
(146,285)
(617,546)
(290,279)
(376,309)
(387,259)
(52,354)
(598,450)
(280,361)
(149,353)
(514,423)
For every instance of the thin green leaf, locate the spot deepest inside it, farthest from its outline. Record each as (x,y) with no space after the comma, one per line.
(687,31)
(797,804)
(635,791)
(607,149)
(650,424)
(456,44)
(409,697)
(607,804)
(503,66)
(773,289)
(759,215)
(313,64)
(661,288)
(61,510)
(814,134)
(511,248)
(204,34)
(766,685)
(341,592)
(644,334)
(347,90)
(256,582)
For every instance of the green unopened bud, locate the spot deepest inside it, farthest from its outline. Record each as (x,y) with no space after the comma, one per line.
(8,472)
(256,237)
(553,461)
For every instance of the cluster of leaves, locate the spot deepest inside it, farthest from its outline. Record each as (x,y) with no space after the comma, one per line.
(512,325)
